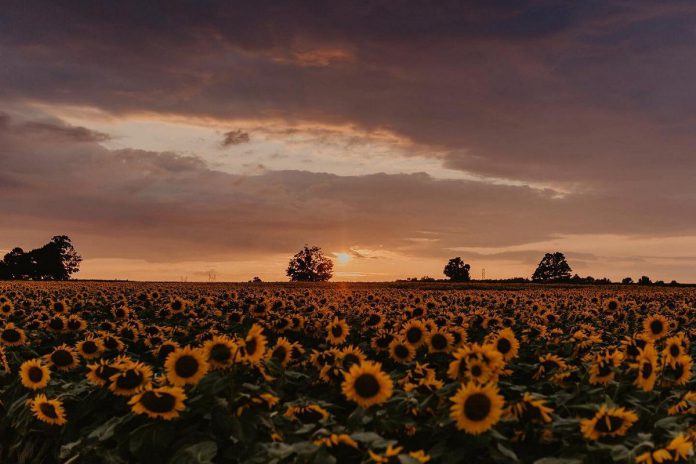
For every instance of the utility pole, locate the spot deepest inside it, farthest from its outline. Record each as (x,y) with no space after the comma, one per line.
(212,275)
(483,274)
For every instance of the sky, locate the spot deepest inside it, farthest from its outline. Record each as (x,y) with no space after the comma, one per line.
(182,140)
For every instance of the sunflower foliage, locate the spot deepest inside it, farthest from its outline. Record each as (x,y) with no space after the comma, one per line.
(193,373)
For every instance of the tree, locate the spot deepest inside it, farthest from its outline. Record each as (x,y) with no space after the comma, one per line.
(56,260)
(457,270)
(645,280)
(310,265)
(627,281)
(553,266)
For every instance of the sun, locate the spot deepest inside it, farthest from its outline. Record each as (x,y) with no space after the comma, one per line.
(343,258)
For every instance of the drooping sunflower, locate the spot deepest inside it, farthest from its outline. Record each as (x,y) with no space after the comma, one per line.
(656,326)
(476,408)
(530,409)
(602,370)
(344,449)
(63,358)
(220,351)
(11,335)
(400,351)
(186,366)
(338,331)
(608,422)
(281,352)
(164,349)
(50,411)
(159,403)
(253,347)
(367,385)
(307,414)
(131,378)
(678,371)
(34,374)
(646,368)
(101,372)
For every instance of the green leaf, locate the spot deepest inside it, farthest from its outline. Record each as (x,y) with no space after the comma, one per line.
(198,453)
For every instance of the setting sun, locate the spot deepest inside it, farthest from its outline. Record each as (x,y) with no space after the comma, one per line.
(343,258)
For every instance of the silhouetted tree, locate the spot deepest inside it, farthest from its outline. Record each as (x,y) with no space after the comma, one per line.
(457,270)
(645,280)
(310,265)
(57,260)
(553,266)
(256,280)
(627,281)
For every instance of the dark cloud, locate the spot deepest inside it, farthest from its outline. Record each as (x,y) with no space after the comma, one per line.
(235,137)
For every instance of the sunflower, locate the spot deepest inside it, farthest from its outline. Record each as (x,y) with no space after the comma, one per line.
(121,312)
(6,308)
(337,331)
(476,408)
(34,374)
(646,368)
(186,366)
(401,352)
(687,405)
(367,384)
(90,348)
(530,409)
(678,372)
(307,414)
(602,370)
(132,378)
(178,306)
(281,352)
(414,333)
(654,457)
(506,344)
(63,358)
(220,351)
(608,422)
(12,335)
(75,323)
(60,306)
(439,341)
(159,403)
(165,349)
(342,447)
(681,447)
(656,326)
(48,411)
(101,372)
(674,347)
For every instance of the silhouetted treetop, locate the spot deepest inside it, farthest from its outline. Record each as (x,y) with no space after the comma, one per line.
(553,266)
(56,260)
(457,270)
(310,265)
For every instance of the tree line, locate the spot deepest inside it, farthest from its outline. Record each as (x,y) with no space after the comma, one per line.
(56,260)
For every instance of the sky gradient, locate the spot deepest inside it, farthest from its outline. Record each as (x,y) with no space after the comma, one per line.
(168,139)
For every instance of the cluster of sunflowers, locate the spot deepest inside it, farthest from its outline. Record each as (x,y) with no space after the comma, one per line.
(106,372)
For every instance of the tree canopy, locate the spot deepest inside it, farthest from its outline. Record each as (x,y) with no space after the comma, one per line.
(310,265)
(56,260)
(553,266)
(457,270)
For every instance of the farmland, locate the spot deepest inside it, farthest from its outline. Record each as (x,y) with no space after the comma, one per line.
(193,373)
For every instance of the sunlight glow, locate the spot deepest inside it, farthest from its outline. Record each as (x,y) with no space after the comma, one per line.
(343,258)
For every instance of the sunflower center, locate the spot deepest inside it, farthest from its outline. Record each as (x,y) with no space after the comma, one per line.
(250,347)
(477,407)
(35,374)
(89,347)
(336,331)
(165,350)
(674,350)
(308,415)
(613,305)
(279,353)
(656,327)
(73,324)
(367,386)
(608,424)
(56,323)
(439,341)
(414,334)
(476,371)
(61,358)
(220,352)
(504,345)
(159,402)
(350,359)
(105,372)
(11,335)
(48,410)
(186,366)
(647,370)
(401,351)
(129,379)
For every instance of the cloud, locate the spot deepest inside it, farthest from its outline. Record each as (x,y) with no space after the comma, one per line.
(235,137)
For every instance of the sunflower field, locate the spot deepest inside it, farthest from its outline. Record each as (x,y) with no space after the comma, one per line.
(345,373)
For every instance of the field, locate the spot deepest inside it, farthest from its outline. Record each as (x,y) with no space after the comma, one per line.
(270,373)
